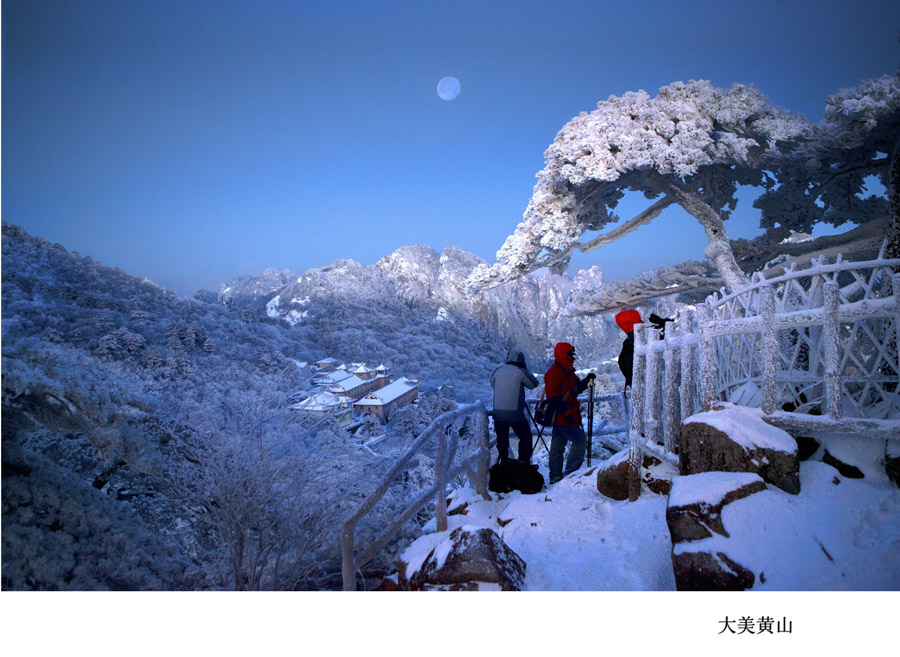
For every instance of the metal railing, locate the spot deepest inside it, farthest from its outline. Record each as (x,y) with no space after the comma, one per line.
(475,465)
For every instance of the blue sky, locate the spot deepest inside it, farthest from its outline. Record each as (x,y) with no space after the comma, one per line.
(193,141)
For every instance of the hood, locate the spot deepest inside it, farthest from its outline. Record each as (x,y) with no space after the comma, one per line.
(559,353)
(515,357)
(627,319)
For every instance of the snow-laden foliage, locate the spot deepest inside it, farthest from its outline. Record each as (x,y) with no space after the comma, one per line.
(173,412)
(691,145)
(170,417)
(410,310)
(683,279)
(824,181)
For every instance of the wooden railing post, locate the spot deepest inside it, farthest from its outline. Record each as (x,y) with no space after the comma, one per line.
(832,338)
(483,462)
(688,372)
(895,283)
(770,353)
(635,439)
(670,392)
(440,480)
(707,356)
(651,388)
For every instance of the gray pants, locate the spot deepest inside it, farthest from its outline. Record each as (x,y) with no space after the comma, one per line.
(561,436)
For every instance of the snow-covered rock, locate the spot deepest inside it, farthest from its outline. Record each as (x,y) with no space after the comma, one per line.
(694,513)
(612,476)
(892,461)
(468,558)
(695,504)
(733,438)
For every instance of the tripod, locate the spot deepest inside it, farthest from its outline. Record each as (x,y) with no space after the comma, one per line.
(590,421)
(540,431)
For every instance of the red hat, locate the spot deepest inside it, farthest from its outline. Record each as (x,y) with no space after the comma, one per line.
(627,319)
(561,350)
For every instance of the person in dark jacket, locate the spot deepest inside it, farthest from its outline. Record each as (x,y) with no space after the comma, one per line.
(509,382)
(562,387)
(626,321)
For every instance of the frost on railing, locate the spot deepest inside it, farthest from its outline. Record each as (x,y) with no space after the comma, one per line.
(814,349)
(459,444)
(820,343)
(665,389)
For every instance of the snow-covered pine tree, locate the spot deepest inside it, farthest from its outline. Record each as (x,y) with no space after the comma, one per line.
(824,180)
(691,145)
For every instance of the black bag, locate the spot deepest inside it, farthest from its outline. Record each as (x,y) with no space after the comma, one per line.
(510,475)
(543,414)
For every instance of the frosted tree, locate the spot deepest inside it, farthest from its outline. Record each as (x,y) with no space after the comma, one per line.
(824,181)
(692,145)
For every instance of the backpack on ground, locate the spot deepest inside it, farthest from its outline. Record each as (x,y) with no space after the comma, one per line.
(510,475)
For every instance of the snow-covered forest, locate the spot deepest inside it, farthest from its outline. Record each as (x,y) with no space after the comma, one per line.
(147,441)
(139,422)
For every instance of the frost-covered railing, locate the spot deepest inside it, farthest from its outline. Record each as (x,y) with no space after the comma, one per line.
(664,389)
(475,465)
(814,349)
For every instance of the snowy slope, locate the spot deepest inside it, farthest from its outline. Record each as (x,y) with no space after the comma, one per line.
(837,534)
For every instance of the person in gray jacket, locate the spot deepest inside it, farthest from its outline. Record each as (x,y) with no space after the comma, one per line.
(509,382)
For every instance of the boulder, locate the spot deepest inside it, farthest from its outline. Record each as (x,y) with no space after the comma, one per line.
(466,558)
(657,475)
(807,447)
(732,438)
(892,461)
(390,583)
(705,571)
(700,544)
(694,510)
(612,476)
(847,470)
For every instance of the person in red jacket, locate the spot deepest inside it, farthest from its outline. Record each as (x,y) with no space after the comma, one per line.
(626,321)
(562,387)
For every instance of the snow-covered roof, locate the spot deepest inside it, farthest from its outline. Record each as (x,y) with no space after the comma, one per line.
(323,401)
(348,383)
(362,369)
(381,368)
(334,377)
(388,393)
(327,360)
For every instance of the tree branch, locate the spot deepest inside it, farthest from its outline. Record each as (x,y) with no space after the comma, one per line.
(849,169)
(550,259)
(664,282)
(630,226)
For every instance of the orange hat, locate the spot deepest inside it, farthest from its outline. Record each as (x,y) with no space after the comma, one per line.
(627,319)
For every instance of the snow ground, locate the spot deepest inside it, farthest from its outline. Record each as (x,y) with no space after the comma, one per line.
(838,534)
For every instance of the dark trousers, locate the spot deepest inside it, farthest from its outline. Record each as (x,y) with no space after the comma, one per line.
(523,431)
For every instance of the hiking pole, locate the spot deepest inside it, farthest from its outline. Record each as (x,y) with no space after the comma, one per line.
(590,421)
(540,431)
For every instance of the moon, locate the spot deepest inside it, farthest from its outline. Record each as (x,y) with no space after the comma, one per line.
(448,88)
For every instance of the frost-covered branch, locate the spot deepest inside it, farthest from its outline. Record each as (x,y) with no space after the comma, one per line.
(825,179)
(652,284)
(692,144)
